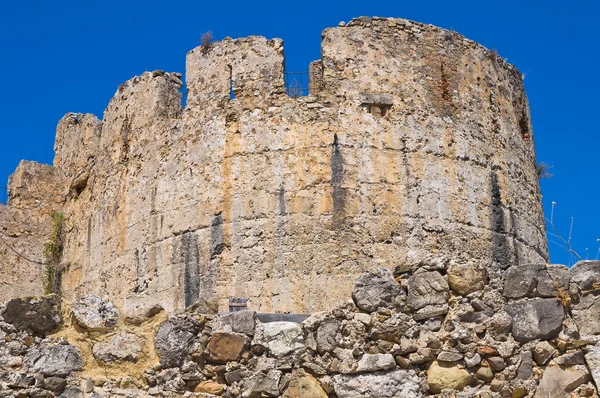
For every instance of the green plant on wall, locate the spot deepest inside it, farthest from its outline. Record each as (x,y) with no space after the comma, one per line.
(53,250)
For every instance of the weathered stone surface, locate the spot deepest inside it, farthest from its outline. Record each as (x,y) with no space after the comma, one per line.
(281,338)
(326,335)
(521,281)
(209,387)
(303,385)
(525,369)
(138,308)
(536,319)
(38,314)
(587,275)
(72,392)
(542,352)
(535,280)
(391,384)
(56,384)
(375,362)
(238,322)
(472,360)
(465,278)
(592,359)
(226,347)
(442,377)
(496,363)
(202,304)
(392,328)
(499,324)
(95,314)
(558,383)
(485,373)
(16,379)
(427,289)
(449,356)
(122,346)
(375,289)
(35,190)
(174,340)
(264,384)
(585,314)
(56,360)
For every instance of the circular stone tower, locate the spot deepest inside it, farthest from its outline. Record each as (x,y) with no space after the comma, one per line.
(414,150)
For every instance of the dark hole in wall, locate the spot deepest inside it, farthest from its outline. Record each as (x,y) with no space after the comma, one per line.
(524,125)
(337,175)
(217,241)
(125,139)
(79,186)
(191,268)
(502,253)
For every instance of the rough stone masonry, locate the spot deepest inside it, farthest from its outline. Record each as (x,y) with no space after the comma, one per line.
(413,152)
(534,332)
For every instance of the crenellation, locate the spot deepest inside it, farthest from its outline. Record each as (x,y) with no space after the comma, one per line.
(249,71)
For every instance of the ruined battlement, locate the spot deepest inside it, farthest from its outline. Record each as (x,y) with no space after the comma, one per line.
(413,151)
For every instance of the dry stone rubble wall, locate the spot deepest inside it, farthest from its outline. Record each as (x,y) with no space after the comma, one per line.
(531,333)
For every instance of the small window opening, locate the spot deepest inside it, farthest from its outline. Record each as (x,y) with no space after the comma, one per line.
(231,92)
(376,104)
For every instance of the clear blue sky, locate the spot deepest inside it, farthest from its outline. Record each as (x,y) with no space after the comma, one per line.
(70,56)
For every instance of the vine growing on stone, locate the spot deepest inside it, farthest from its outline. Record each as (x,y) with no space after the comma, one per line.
(53,250)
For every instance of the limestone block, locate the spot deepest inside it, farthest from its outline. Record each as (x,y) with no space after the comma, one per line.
(209,387)
(281,338)
(95,314)
(586,274)
(226,347)
(264,383)
(390,384)
(558,382)
(56,360)
(585,314)
(451,377)
(525,369)
(465,278)
(138,308)
(238,322)
(592,359)
(122,346)
(38,314)
(303,385)
(375,362)
(449,356)
(535,280)
(542,352)
(536,319)
(174,339)
(392,328)
(426,289)
(327,335)
(375,289)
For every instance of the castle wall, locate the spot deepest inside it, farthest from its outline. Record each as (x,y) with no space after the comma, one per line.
(414,151)
(25,225)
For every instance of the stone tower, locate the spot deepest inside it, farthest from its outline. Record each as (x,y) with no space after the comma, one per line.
(414,150)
